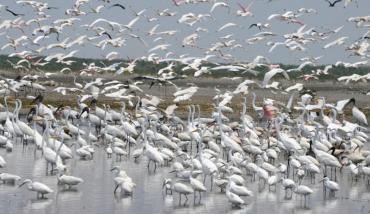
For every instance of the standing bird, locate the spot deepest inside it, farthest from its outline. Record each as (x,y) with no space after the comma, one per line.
(9,178)
(182,189)
(287,184)
(37,187)
(359,115)
(167,185)
(234,198)
(303,191)
(68,180)
(197,186)
(330,185)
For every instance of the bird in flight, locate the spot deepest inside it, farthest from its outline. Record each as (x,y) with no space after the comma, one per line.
(255,25)
(107,34)
(245,10)
(332,4)
(177,2)
(118,5)
(13,13)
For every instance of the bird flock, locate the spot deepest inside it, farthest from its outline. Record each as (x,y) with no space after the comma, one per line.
(294,146)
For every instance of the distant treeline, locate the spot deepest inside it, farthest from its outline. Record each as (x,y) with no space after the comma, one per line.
(149,68)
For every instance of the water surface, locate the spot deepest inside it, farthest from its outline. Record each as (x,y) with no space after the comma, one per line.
(95,195)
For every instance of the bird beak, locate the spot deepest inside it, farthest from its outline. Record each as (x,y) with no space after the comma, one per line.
(21,184)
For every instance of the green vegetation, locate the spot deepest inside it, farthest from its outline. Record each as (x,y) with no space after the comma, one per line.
(149,68)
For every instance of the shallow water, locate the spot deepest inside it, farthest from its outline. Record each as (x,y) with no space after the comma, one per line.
(95,195)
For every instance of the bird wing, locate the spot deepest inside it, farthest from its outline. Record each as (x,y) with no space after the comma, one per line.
(170,109)
(132,22)
(290,101)
(226,26)
(285,74)
(268,76)
(335,2)
(275,45)
(253,25)
(249,6)
(215,5)
(243,8)
(254,72)
(272,73)
(139,78)
(341,104)
(272,16)
(330,44)
(119,5)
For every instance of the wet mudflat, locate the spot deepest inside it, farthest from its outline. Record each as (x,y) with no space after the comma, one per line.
(95,195)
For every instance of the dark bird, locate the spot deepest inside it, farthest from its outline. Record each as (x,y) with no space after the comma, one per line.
(50,8)
(118,5)
(332,4)
(13,13)
(85,109)
(93,101)
(58,113)
(18,78)
(38,99)
(255,25)
(107,34)
(30,114)
(310,152)
(154,80)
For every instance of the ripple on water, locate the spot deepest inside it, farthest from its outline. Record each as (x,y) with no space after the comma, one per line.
(95,195)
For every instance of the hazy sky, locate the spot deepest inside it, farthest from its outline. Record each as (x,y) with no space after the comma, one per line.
(326,18)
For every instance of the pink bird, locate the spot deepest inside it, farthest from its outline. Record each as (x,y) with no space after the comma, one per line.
(295,21)
(308,77)
(245,10)
(177,2)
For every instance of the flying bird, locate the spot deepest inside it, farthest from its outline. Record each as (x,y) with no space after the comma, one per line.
(332,4)
(272,73)
(219,4)
(13,13)
(118,5)
(245,10)
(338,41)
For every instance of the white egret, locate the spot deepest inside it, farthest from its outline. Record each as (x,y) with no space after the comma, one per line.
(39,188)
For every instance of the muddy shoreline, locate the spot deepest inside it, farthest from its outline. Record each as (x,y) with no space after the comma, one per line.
(331,90)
